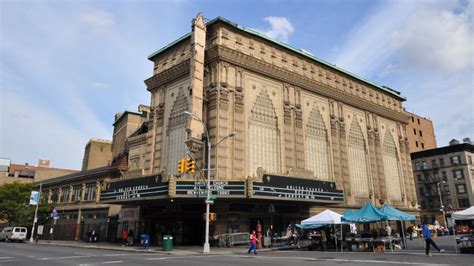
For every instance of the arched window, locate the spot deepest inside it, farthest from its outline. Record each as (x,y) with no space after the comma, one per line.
(359,178)
(317,150)
(390,163)
(176,135)
(264,137)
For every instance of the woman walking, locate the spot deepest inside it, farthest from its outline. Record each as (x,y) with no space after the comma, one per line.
(253,243)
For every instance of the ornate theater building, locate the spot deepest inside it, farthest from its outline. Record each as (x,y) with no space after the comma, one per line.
(308,136)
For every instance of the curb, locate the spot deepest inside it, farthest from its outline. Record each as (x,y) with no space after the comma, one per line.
(139,250)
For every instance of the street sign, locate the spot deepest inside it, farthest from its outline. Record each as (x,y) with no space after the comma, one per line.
(34,198)
(40,229)
(209,201)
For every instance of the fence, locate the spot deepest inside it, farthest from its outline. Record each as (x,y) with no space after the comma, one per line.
(105,231)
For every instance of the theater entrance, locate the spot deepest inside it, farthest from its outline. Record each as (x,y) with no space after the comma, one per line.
(183,221)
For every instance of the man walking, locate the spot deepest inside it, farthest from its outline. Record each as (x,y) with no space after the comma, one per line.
(253,243)
(429,241)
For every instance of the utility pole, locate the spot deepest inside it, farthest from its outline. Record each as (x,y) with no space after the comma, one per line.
(36,214)
(441,204)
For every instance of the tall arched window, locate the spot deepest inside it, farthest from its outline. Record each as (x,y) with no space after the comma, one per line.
(264,137)
(356,154)
(176,135)
(390,163)
(317,151)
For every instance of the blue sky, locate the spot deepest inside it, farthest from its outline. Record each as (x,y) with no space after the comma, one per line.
(68,66)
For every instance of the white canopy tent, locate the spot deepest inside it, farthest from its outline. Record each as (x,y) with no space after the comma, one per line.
(324,218)
(467,214)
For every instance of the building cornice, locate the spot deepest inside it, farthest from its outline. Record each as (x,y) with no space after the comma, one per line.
(250,63)
(168,75)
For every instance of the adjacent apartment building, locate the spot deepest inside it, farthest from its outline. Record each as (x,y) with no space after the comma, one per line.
(420,133)
(444,179)
(26,173)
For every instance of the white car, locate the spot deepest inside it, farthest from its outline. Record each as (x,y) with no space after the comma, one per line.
(13,234)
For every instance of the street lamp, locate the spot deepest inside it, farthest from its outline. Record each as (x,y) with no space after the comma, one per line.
(441,202)
(206,248)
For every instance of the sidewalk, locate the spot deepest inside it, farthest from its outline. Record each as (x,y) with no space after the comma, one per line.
(179,250)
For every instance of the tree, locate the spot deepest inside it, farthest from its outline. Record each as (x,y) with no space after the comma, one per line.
(15,208)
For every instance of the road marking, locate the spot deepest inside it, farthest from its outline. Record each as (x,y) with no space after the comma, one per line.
(2,258)
(115,255)
(350,260)
(62,258)
(6,261)
(185,257)
(111,262)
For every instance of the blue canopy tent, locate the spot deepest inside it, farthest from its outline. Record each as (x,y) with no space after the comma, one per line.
(348,212)
(397,215)
(366,214)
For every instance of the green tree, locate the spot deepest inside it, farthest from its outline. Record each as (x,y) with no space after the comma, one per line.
(14,205)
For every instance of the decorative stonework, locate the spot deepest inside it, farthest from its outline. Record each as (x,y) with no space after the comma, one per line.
(263,136)
(168,75)
(317,146)
(392,173)
(359,179)
(278,73)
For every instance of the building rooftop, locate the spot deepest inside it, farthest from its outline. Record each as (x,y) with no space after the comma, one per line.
(301,52)
(443,150)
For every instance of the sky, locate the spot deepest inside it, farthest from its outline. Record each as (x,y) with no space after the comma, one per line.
(66,67)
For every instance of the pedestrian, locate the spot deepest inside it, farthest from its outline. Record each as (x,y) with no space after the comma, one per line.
(124,237)
(324,240)
(253,243)
(410,231)
(429,242)
(388,229)
(94,236)
(130,238)
(269,236)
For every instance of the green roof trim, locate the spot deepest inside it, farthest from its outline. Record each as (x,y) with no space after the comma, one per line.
(301,52)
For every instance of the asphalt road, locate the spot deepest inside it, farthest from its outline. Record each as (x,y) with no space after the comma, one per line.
(31,254)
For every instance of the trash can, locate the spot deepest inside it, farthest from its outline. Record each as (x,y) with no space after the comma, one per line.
(167,243)
(145,240)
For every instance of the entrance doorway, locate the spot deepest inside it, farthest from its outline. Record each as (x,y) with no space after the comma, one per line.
(182,221)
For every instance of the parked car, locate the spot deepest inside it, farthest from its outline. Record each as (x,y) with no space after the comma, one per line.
(13,234)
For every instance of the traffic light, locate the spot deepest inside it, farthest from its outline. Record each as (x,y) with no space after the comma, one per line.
(190,166)
(212,216)
(181,165)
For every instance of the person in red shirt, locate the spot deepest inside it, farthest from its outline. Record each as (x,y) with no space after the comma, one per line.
(253,243)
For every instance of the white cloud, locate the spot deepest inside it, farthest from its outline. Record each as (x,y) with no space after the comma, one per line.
(29,131)
(425,50)
(420,35)
(100,85)
(281,28)
(436,38)
(98,19)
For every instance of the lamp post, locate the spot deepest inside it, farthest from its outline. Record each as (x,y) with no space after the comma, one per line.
(206,248)
(441,203)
